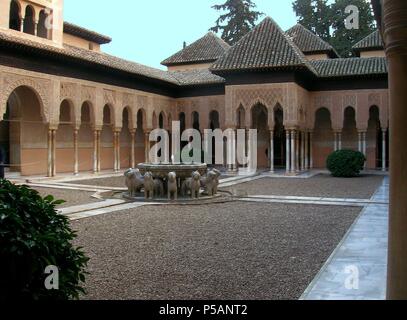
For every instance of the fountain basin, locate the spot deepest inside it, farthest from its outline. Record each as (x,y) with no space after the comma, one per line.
(183,171)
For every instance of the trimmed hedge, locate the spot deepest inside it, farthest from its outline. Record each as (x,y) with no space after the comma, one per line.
(33,236)
(346,163)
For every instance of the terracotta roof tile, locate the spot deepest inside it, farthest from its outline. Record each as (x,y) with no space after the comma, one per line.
(308,42)
(206,49)
(87,34)
(372,42)
(350,67)
(265,47)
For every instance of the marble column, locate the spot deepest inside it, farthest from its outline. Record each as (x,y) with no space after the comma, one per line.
(335,141)
(293,151)
(297,151)
(271,151)
(339,140)
(76,151)
(147,146)
(287,156)
(118,165)
(306,150)
(99,151)
(36,28)
(22,25)
(49,153)
(311,150)
(302,151)
(95,151)
(133,149)
(395,38)
(384,150)
(54,153)
(360,143)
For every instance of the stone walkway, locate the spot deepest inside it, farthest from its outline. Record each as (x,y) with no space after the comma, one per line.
(357,269)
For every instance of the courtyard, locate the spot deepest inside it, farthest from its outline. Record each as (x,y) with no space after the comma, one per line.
(266,238)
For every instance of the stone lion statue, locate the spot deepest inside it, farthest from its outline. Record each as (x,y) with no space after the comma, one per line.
(172,186)
(216,184)
(210,183)
(158,188)
(192,185)
(149,186)
(134,181)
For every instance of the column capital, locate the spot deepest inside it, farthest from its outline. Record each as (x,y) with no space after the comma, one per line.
(97,128)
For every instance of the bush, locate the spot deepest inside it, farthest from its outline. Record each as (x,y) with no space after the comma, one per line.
(346,163)
(32,237)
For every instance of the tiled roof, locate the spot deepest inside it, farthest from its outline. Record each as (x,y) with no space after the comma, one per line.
(207,49)
(81,32)
(195,77)
(372,42)
(350,67)
(265,47)
(309,42)
(89,56)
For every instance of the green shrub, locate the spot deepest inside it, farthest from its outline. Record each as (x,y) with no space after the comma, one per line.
(32,237)
(346,163)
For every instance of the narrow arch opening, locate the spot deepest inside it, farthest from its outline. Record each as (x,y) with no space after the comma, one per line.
(42,30)
(29,20)
(15,16)
(279,138)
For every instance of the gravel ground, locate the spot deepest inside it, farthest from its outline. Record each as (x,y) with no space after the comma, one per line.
(118,182)
(319,186)
(72,197)
(228,251)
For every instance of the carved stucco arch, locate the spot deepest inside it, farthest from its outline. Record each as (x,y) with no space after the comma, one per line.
(131,117)
(72,111)
(36,87)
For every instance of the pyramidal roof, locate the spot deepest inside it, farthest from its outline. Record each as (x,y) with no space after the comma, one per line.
(308,42)
(206,49)
(372,42)
(265,47)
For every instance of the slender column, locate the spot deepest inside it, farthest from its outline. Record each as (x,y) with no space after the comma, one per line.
(360,147)
(306,150)
(133,151)
(49,153)
(297,151)
(339,140)
(99,150)
(364,145)
(76,151)
(293,151)
(118,151)
(248,149)
(54,152)
(36,28)
(22,25)
(95,151)
(335,141)
(147,146)
(303,151)
(114,151)
(384,150)
(287,156)
(311,150)
(271,152)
